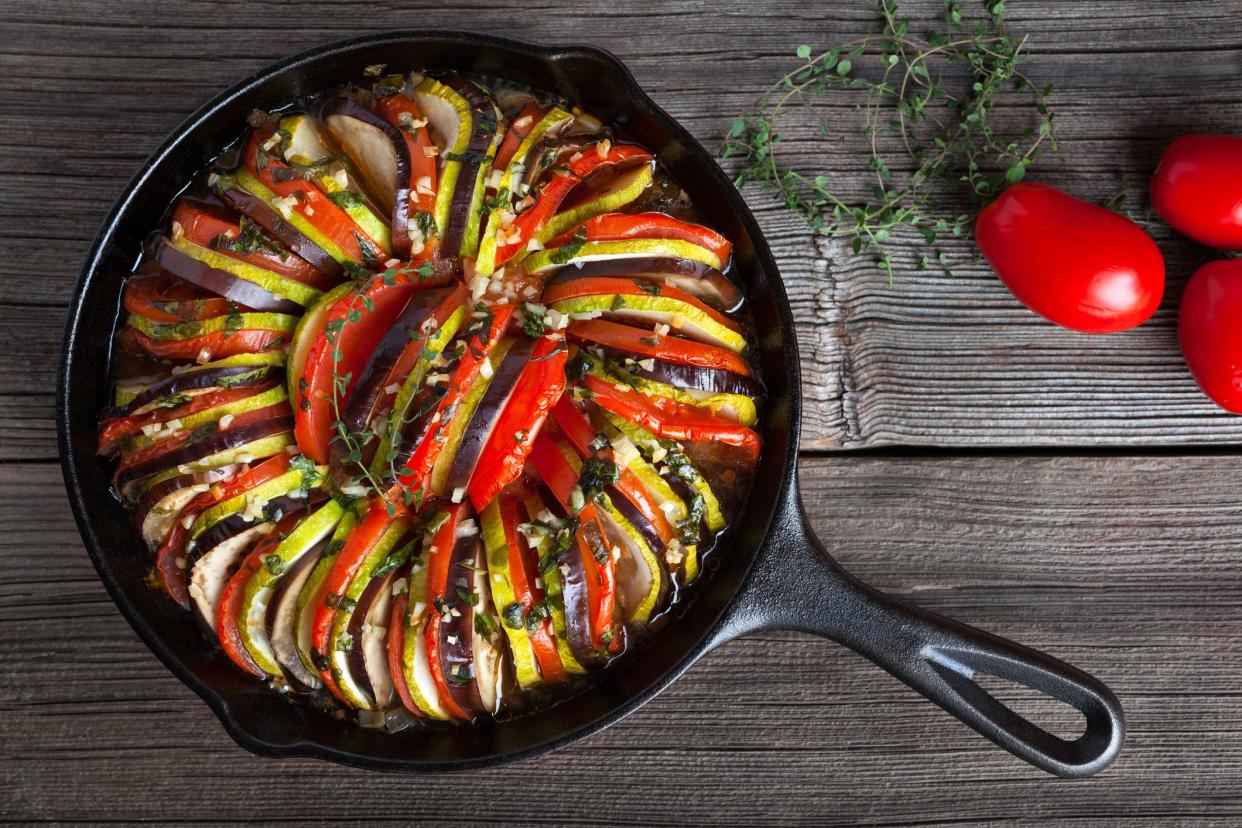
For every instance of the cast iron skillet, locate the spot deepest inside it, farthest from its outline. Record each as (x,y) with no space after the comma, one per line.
(771,573)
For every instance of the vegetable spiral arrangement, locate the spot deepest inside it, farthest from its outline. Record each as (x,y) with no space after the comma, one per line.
(432,398)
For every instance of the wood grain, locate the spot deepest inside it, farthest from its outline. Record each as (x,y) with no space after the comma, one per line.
(1067,554)
(932,359)
(1126,566)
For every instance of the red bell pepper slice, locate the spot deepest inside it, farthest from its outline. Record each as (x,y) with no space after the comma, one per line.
(309,201)
(396,650)
(621,226)
(523,571)
(203,348)
(358,545)
(205,224)
(113,432)
(425,455)
(229,612)
(176,441)
(530,115)
(537,389)
(165,298)
(645,343)
(374,307)
(596,285)
(600,575)
(172,577)
(399,110)
(439,556)
(669,418)
(578,430)
(529,222)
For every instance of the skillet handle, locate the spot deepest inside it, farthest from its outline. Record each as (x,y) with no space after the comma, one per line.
(797,585)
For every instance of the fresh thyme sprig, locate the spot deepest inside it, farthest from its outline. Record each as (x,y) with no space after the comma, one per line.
(946,137)
(355,443)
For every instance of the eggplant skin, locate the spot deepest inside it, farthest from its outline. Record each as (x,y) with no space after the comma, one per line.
(253,207)
(488,411)
(688,377)
(214,444)
(457,631)
(234,525)
(349,108)
(697,279)
(194,380)
(245,294)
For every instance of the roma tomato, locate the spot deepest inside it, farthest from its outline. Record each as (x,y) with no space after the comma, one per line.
(1207,324)
(1078,265)
(1197,189)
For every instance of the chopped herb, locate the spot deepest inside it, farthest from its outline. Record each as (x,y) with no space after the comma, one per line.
(275,564)
(468,597)
(370,253)
(466,157)
(340,602)
(484,625)
(345,199)
(649,288)
(395,559)
(513,615)
(598,473)
(173,400)
(571,249)
(375,70)
(244,378)
(534,322)
(345,643)
(233,322)
(539,612)
(426,224)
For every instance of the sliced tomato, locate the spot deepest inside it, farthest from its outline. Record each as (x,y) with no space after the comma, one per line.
(529,222)
(167,572)
(309,201)
(396,649)
(353,327)
(523,573)
(540,385)
(165,298)
(598,566)
(578,430)
(464,375)
(644,342)
(518,130)
(203,348)
(401,111)
(621,226)
(358,545)
(176,441)
(623,286)
(113,432)
(439,557)
(213,226)
(669,418)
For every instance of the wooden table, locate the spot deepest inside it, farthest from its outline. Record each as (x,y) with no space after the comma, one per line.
(1075,493)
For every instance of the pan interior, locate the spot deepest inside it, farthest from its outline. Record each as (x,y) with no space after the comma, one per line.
(256,717)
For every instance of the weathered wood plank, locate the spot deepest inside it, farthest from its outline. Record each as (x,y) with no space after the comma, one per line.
(931,359)
(1073,555)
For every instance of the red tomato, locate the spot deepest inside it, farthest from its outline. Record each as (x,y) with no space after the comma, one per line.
(1078,265)
(1197,189)
(1207,324)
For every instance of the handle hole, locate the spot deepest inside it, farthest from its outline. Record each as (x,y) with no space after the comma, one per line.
(1050,715)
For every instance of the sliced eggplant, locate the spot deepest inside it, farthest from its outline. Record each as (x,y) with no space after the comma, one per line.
(198,450)
(700,280)
(164,511)
(283,621)
(256,209)
(246,294)
(484,418)
(210,572)
(690,377)
(380,154)
(368,660)
(233,372)
(457,623)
